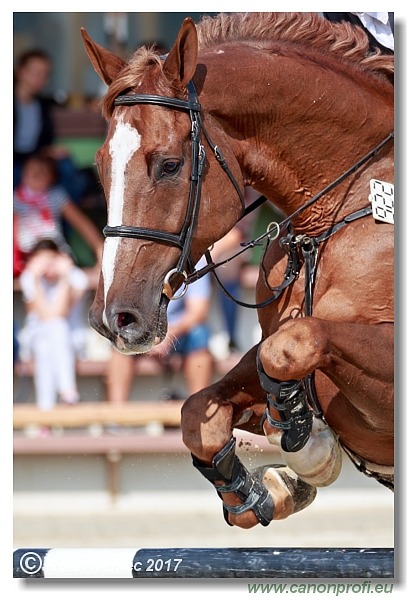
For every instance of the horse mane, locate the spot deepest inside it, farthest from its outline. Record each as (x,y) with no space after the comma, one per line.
(342,41)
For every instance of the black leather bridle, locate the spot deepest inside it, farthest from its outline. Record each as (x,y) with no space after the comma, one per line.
(183,239)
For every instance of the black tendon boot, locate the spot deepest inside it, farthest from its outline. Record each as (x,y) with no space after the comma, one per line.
(289,398)
(227,467)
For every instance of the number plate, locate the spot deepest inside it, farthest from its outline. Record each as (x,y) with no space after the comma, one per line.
(382,199)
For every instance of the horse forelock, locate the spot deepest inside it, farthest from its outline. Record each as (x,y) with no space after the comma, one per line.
(144,64)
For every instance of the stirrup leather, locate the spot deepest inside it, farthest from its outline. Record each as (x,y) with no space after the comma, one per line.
(290,399)
(227,467)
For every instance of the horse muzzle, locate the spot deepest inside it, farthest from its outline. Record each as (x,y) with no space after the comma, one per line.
(128,328)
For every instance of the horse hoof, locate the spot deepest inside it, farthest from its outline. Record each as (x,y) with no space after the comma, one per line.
(290,494)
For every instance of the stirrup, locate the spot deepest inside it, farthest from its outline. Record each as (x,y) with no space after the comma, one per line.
(289,398)
(226,466)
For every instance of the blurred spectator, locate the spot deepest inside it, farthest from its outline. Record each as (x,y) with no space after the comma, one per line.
(39,207)
(33,129)
(187,337)
(16,345)
(53,334)
(230,273)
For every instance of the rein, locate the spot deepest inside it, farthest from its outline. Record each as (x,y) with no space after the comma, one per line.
(293,266)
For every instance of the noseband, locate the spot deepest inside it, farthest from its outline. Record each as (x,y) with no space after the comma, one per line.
(183,239)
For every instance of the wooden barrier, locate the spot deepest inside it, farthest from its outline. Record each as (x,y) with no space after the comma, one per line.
(272,563)
(88,414)
(144,366)
(110,447)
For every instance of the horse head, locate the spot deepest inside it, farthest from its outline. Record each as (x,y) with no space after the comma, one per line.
(161,179)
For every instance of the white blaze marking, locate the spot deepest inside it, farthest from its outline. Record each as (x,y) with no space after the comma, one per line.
(123,144)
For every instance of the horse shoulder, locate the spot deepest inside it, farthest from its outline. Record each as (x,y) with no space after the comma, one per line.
(355,274)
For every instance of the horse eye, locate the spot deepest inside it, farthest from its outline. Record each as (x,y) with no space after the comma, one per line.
(170,167)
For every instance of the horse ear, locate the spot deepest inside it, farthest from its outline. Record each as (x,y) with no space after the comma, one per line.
(180,64)
(106,64)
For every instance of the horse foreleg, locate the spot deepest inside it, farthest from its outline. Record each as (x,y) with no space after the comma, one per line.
(208,420)
(357,360)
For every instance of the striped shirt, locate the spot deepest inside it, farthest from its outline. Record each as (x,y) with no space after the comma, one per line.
(38,215)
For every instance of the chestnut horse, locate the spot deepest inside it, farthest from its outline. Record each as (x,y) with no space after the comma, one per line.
(297,108)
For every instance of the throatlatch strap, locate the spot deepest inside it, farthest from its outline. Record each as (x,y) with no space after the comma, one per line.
(289,398)
(227,467)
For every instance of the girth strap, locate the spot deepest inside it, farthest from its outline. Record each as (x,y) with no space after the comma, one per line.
(227,467)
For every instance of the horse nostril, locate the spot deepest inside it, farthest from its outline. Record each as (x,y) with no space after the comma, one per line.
(129,332)
(124,319)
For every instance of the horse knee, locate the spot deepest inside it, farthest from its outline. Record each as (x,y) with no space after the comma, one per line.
(190,422)
(298,347)
(206,424)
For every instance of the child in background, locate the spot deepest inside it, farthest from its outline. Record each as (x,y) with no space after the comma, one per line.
(33,122)
(39,206)
(53,332)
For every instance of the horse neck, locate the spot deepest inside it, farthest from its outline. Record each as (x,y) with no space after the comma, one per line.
(295,126)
